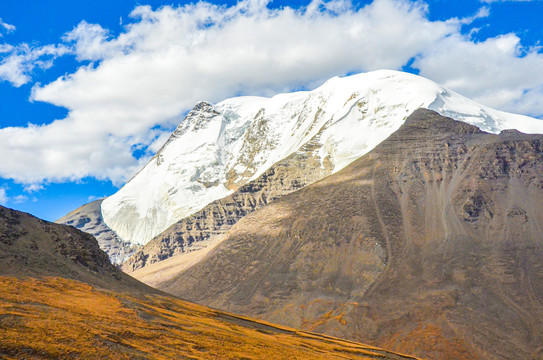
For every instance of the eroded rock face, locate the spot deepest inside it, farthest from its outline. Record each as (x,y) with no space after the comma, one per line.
(88,218)
(430,244)
(61,298)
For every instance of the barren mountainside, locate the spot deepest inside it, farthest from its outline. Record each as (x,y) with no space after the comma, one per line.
(33,247)
(219,148)
(430,244)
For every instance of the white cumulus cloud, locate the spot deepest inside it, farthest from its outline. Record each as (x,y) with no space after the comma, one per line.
(30,188)
(170,58)
(19,61)
(89,39)
(7,27)
(19,199)
(497,72)
(139,83)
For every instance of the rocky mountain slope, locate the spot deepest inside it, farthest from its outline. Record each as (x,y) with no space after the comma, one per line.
(220,148)
(430,244)
(88,218)
(61,298)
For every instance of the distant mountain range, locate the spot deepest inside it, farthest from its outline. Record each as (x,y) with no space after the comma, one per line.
(379,207)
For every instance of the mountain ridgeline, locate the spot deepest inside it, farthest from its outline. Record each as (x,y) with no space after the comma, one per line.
(36,248)
(88,218)
(195,231)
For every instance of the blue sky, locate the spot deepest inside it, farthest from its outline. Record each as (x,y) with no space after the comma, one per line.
(91,89)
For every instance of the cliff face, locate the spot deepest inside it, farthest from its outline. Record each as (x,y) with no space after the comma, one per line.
(430,244)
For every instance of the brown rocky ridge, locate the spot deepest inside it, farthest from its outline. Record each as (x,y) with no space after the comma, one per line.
(430,244)
(88,218)
(61,298)
(33,247)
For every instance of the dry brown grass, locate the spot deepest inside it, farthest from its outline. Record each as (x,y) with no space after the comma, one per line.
(58,318)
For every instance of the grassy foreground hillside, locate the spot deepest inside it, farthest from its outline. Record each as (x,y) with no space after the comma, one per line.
(60,298)
(54,318)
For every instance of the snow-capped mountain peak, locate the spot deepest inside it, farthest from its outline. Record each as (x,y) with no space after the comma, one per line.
(218,148)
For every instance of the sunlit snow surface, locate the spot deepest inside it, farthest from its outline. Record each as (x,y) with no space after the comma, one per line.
(218,148)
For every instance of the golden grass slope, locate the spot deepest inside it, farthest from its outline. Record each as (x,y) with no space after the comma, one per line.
(56,318)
